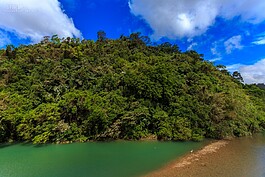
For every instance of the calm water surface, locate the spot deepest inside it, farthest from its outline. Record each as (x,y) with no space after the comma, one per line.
(241,157)
(110,159)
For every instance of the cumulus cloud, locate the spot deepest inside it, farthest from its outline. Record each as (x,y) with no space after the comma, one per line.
(189,18)
(173,18)
(254,73)
(251,73)
(234,67)
(34,19)
(249,11)
(233,43)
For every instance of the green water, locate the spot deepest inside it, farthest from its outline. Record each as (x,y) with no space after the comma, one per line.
(110,159)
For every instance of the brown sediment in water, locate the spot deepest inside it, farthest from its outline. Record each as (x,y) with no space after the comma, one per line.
(190,164)
(225,158)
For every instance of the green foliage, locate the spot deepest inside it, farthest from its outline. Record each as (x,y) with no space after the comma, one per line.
(67,90)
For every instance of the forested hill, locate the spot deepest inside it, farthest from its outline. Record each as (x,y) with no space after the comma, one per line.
(67,90)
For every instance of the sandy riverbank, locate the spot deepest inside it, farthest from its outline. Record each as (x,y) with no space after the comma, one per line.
(189,164)
(225,158)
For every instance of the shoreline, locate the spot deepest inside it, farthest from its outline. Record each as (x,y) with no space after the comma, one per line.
(190,163)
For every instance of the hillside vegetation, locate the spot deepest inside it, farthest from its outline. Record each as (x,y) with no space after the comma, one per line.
(67,90)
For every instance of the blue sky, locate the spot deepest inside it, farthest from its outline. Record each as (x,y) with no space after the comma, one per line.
(228,32)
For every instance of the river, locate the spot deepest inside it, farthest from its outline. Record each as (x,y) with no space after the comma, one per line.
(93,159)
(239,157)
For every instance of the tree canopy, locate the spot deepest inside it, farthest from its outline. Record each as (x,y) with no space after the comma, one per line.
(72,90)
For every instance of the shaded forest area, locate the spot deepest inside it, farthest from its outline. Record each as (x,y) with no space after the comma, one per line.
(68,90)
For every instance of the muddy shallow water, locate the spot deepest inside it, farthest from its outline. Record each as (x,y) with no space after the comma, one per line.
(244,157)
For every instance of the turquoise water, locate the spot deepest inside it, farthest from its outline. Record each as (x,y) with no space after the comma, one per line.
(109,159)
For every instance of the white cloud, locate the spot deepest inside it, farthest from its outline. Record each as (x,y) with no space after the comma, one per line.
(215,59)
(173,18)
(192,45)
(214,51)
(34,19)
(254,73)
(233,43)
(181,18)
(249,11)
(216,48)
(234,67)
(260,39)
(251,73)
